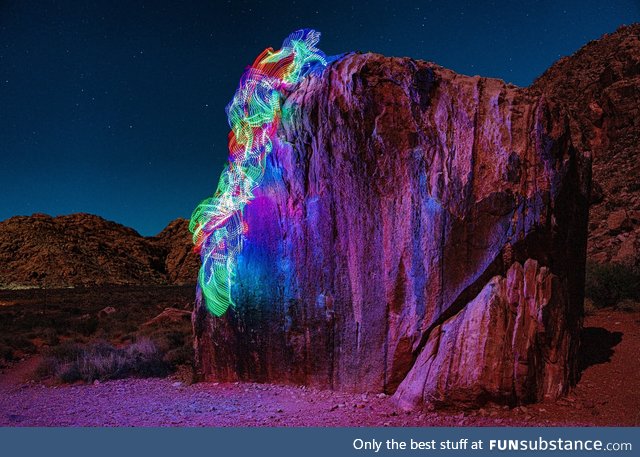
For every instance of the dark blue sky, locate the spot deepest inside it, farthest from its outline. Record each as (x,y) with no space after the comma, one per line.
(117,107)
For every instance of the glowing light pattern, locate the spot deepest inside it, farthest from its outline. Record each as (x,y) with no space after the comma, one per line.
(254,114)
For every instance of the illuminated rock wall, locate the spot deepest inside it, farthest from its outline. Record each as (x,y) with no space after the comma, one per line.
(421,233)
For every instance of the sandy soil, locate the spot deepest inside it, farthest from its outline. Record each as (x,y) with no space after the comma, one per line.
(608,394)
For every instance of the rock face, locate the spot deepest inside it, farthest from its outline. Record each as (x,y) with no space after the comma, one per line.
(86,250)
(512,342)
(181,264)
(600,86)
(424,233)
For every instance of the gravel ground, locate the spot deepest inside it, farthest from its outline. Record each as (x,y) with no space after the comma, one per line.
(607,394)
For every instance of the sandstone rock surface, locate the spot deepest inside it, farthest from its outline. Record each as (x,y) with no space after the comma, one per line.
(509,343)
(424,233)
(181,264)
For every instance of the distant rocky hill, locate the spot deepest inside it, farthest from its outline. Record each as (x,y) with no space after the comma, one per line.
(180,263)
(600,85)
(84,249)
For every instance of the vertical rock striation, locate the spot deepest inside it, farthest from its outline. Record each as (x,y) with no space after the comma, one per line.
(421,233)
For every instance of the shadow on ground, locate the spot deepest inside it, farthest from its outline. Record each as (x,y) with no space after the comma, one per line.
(596,346)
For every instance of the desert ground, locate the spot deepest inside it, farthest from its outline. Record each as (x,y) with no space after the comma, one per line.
(607,393)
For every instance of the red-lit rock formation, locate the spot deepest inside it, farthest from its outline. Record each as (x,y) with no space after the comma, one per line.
(424,233)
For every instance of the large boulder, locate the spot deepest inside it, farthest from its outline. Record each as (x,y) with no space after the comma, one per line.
(421,233)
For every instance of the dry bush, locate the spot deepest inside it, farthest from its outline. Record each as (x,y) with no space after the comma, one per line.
(611,283)
(102,361)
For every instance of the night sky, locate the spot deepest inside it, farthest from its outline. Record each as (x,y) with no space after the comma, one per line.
(117,108)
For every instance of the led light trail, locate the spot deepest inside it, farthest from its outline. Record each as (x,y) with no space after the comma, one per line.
(254,114)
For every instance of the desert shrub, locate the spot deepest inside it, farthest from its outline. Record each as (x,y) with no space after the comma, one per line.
(589,307)
(175,341)
(50,337)
(146,359)
(182,355)
(18,343)
(629,306)
(47,368)
(633,186)
(6,354)
(68,351)
(86,325)
(610,283)
(103,361)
